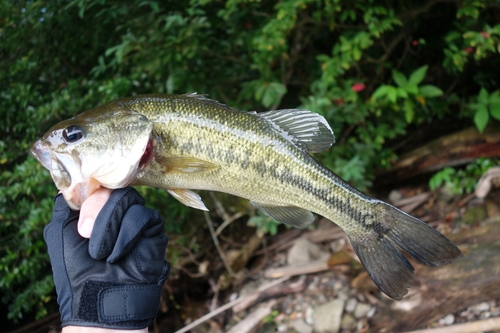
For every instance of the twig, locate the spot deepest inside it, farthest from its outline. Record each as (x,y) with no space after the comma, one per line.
(228,221)
(219,207)
(465,200)
(222,212)
(275,292)
(217,245)
(317,236)
(215,289)
(192,275)
(312,267)
(492,324)
(283,240)
(415,201)
(230,305)
(412,199)
(253,319)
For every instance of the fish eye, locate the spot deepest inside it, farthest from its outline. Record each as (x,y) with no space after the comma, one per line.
(72,133)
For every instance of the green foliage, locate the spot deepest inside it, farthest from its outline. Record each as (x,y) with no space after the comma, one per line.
(462,180)
(264,224)
(408,91)
(485,105)
(373,68)
(271,317)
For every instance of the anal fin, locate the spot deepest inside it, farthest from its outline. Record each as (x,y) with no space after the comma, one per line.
(188,198)
(290,215)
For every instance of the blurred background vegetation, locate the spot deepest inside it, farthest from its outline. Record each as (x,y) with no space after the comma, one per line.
(377,70)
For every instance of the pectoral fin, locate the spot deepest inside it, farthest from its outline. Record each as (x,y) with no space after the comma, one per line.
(185,164)
(293,216)
(189,198)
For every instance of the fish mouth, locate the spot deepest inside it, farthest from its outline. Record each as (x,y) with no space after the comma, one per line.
(65,174)
(41,153)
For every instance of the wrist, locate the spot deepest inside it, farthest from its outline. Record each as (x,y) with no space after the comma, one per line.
(83,329)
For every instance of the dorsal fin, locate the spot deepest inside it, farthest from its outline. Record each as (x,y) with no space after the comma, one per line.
(204,99)
(309,128)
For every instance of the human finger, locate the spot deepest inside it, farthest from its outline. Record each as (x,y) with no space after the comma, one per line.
(90,209)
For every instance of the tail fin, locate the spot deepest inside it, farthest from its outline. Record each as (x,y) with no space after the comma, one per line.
(385,264)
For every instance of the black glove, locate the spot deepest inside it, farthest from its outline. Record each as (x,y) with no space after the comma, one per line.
(114,279)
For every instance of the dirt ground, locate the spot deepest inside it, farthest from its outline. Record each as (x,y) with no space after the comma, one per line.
(272,290)
(333,293)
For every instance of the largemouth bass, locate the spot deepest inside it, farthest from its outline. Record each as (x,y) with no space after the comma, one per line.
(188,142)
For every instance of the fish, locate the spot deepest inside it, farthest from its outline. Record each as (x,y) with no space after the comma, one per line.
(188,142)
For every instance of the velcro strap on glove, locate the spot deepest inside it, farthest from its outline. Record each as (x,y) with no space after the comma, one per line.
(128,302)
(124,306)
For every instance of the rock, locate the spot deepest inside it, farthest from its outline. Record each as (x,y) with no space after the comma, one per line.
(371,312)
(478,308)
(474,215)
(338,285)
(495,311)
(350,305)
(301,327)
(247,289)
(485,315)
(348,322)
(447,320)
(327,317)
(309,315)
(395,196)
(445,194)
(337,245)
(343,294)
(407,304)
(492,209)
(313,285)
(283,328)
(305,251)
(361,310)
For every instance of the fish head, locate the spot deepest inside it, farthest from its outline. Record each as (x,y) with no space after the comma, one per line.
(94,149)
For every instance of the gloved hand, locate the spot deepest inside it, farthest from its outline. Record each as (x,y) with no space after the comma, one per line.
(114,279)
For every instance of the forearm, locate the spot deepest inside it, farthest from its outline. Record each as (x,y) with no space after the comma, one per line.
(83,329)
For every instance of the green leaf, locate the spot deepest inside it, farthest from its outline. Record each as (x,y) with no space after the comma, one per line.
(494,98)
(440,177)
(429,91)
(399,78)
(495,111)
(408,108)
(418,75)
(483,96)
(411,89)
(380,92)
(481,118)
(270,94)
(392,94)
(402,93)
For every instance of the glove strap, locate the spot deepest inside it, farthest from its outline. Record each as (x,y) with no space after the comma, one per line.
(128,302)
(109,305)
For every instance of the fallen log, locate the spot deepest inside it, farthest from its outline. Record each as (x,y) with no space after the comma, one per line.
(485,325)
(451,150)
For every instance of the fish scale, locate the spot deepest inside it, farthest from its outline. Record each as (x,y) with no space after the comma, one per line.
(199,144)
